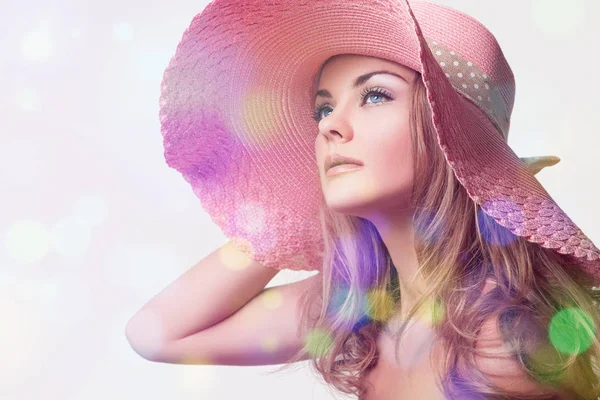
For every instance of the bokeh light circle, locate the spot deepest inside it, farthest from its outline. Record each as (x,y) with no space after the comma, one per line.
(571,331)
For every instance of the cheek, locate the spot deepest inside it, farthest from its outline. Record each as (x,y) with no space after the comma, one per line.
(319,153)
(394,155)
(394,147)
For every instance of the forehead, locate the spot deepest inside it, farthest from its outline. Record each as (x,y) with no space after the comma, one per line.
(347,66)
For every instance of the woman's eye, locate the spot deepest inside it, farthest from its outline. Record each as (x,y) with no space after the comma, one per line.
(366,94)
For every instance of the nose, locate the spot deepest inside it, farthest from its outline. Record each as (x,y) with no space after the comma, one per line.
(336,128)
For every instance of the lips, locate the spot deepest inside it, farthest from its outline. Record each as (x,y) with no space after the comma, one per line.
(334,159)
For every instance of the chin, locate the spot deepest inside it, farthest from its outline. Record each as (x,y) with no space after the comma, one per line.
(344,204)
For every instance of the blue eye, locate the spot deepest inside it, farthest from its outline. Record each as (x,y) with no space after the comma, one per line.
(365,94)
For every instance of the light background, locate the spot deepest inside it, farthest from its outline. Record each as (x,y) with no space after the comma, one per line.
(94,223)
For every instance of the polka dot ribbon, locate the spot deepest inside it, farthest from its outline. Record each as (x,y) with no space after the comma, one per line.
(468,79)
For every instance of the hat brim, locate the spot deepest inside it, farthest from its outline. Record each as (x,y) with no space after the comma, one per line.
(492,173)
(236,102)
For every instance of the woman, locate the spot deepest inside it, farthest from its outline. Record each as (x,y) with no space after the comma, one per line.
(411,224)
(446,270)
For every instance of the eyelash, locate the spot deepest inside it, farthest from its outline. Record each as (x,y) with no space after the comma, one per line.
(365,93)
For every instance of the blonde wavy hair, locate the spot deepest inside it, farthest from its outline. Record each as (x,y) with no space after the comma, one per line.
(458,248)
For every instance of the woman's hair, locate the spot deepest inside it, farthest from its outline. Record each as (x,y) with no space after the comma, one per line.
(539,291)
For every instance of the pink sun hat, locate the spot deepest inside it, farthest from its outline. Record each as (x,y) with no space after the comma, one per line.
(236,118)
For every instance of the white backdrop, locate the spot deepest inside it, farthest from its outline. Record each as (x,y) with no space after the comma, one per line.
(94,223)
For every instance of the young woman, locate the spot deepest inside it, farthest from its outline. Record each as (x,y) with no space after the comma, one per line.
(446,270)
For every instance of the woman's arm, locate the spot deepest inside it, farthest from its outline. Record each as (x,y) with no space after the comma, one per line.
(265,331)
(209,292)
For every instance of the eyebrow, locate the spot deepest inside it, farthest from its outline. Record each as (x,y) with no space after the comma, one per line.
(359,81)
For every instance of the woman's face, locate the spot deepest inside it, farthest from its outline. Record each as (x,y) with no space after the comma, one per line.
(373,128)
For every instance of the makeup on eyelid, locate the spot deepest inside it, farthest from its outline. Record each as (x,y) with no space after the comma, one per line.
(364,94)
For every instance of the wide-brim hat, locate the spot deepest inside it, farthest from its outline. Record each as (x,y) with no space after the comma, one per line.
(236,116)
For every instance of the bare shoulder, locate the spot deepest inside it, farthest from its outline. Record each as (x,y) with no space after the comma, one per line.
(499,366)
